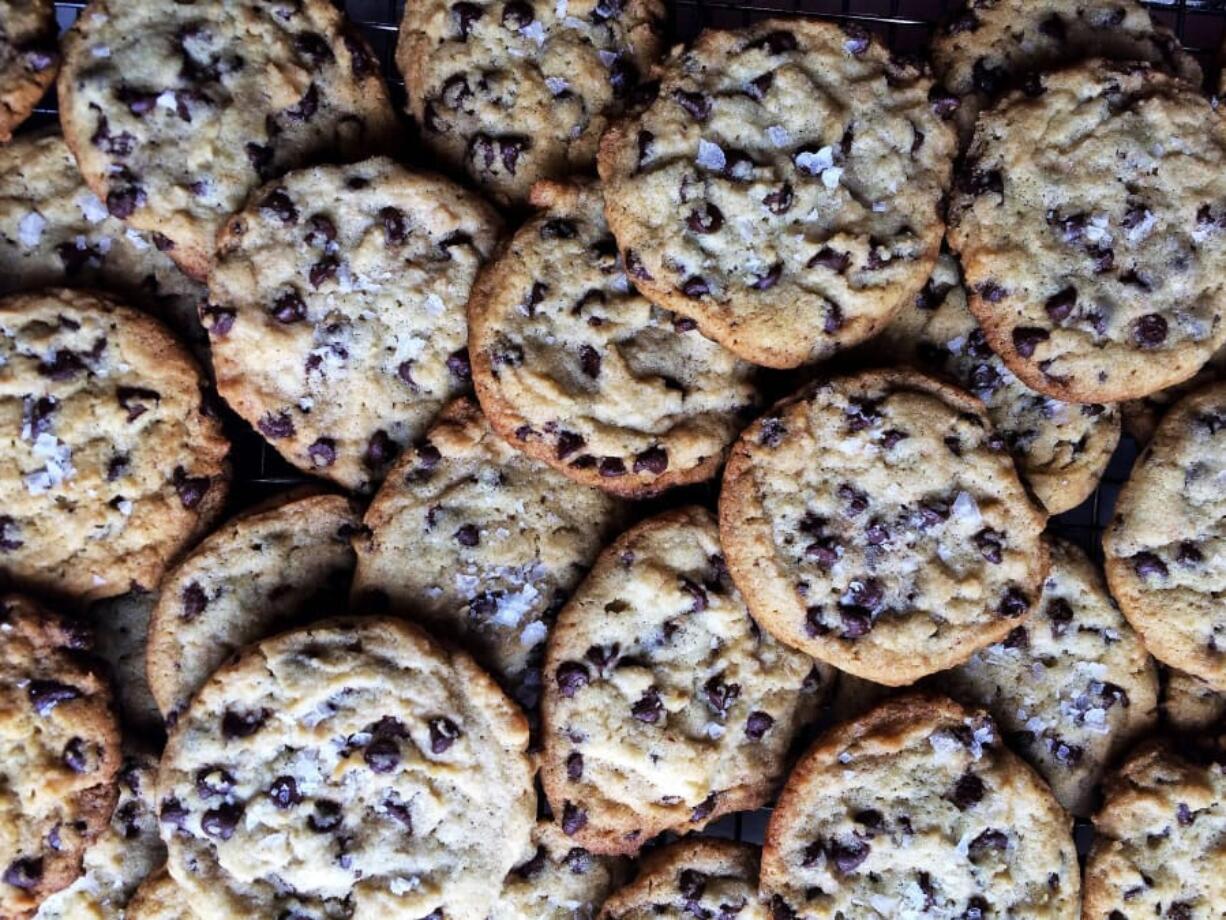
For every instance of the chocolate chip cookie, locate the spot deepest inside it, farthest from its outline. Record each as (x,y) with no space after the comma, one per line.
(55,231)
(514,91)
(1164,548)
(29,59)
(176,112)
(253,577)
(665,706)
(1072,688)
(352,769)
(987,47)
(694,877)
(918,809)
(560,882)
(59,756)
(336,311)
(126,852)
(1061,449)
(111,460)
(876,522)
(782,190)
(158,898)
(480,543)
(1159,848)
(579,370)
(1091,221)
(1191,706)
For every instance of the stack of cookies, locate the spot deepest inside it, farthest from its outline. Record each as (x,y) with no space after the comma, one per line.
(481,518)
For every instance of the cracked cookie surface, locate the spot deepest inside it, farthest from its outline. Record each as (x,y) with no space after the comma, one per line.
(782,190)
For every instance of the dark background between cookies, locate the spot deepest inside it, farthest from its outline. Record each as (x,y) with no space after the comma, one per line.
(905,26)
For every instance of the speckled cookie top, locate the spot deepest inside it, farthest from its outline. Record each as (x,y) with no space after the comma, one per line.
(665,705)
(176,112)
(876,522)
(353,769)
(516,91)
(693,878)
(918,810)
(54,230)
(1160,849)
(579,370)
(29,58)
(110,462)
(987,47)
(560,882)
(59,753)
(251,578)
(122,857)
(1091,221)
(1061,448)
(481,543)
(1071,688)
(782,190)
(1166,546)
(336,311)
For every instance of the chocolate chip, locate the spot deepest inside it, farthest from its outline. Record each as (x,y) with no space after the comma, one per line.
(653,460)
(280,206)
(468,535)
(466,16)
(703,809)
(623,76)
(220,822)
(25,873)
(218,320)
(568,443)
(858,38)
(698,105)
(589,361)
(323,270)
(74,755)
(648,708)
(45,695)
(459,365)
(194,602)
(517,14)
(1060,614)
(611,467)
(236,724)
(276,426)
(284,792)
(443,734)
(944,105)
(832,259)
(1148,565)
(769,279)
(380,450)
(854,501)
(322,452)
(1189,555)
(395,226)
(574,766)
(990,543)
(1060,305)
(574,819)
(990,839)
(326,817)
(847,856)
(191,489)
(968,791)
(289,308)
(780,200)
(757,725)
(571,676)
(1149,331)
(1013,604)
(1027,338)
(706,218)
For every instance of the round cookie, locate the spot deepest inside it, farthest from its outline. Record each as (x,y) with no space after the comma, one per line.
(55,231)
(1141,416)
(1091,248)
(877,522)
(694,877)
(560,881)
(112,462)
(576,368)
(253,577)
(29,59)
(59,754)
(353,769)
(665,706)
(512,92)
(783,189)
(1165,543)
(1160,845)
(121,637)
(158,898)
(480,543)
(177,112)
(1189,705)
(1072,688)
(987,47)
(336,311)
(127,852)
(1061,449)
(918,809)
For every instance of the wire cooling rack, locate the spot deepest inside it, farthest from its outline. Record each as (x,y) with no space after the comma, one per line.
(905,26)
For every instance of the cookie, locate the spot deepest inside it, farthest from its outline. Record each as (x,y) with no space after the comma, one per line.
(876,522)
(987,47)
(1090,251)
(1165,539)
(253,577)
(782,190)
(177,112)
(352,769)
(577,369)
(158,898)
(694,877)
(918,809)
(512,92)
(1158,850)
(336,311)
(126,852)
(664,705)
(1061,449)
(112,462)
(480,543)
(1141,416)
(55,231)
(1191,706)
(121,638)
(29,59)
(1072,688)
(560,881)
(61,754)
